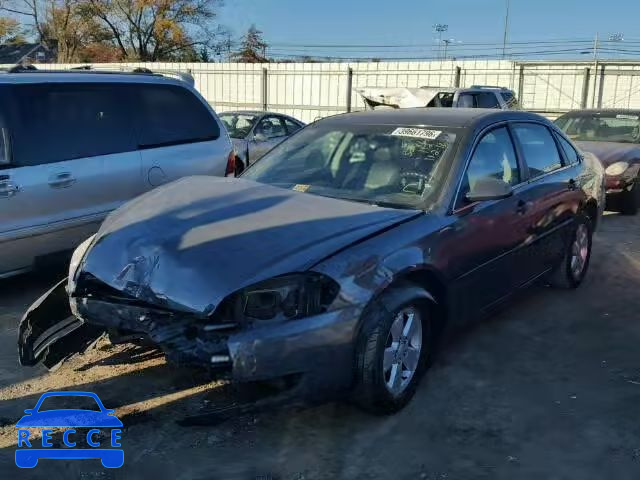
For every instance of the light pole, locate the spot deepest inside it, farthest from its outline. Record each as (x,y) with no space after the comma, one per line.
(440,28)
(506,29)
(446,43)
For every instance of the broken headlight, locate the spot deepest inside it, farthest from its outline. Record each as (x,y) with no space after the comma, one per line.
(284,298)
(76,258)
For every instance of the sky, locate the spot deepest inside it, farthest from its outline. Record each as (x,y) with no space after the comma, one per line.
(288,24)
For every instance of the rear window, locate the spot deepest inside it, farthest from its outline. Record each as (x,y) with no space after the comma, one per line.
(54,122)
(510,99)
(171,115)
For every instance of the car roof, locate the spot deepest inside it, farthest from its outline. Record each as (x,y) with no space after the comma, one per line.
(591,111)
(443,117)
(256,113)
(88,77)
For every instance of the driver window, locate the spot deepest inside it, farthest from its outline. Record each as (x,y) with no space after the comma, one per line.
(494,156)
(271,127)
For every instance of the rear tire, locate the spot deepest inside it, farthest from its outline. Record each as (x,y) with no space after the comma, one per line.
(573,268)
(393,353)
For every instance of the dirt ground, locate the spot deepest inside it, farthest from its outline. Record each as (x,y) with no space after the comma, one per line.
(547,389)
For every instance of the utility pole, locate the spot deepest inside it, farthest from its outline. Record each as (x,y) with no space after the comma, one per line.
(595,70)
(506,30)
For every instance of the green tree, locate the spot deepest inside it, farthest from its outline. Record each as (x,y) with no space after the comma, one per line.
(253,48)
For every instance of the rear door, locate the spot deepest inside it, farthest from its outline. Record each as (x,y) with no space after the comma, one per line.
(551,196)
(73,160)
(178,135)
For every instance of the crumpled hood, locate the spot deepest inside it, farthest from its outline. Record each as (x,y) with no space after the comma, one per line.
(612,152)
(400,97)
(189,244)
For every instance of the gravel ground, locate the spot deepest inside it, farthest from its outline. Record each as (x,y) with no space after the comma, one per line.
(547,389)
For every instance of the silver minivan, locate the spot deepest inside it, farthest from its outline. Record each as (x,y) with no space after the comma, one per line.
(75,146)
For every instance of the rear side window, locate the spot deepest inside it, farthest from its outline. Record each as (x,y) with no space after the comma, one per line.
(538,147)
(171,115)
(54,122)
(569,152)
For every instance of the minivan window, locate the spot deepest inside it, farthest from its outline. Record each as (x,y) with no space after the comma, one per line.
(56,121)
(538,147)
(487,100)
(171,115)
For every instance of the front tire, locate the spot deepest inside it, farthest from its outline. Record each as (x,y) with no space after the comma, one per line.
(392,355)
(573,268)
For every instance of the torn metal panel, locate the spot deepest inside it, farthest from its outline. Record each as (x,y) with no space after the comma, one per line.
(402,97)
(48,331)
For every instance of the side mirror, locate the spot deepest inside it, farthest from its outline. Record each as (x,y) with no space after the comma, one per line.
(29,411)
(259,137)
(488,188)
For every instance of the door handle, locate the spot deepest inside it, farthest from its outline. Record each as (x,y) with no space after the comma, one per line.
(8,189)
(521,207)
(571,184)
(61,180)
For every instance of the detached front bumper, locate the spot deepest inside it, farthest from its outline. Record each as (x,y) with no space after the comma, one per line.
(319,347)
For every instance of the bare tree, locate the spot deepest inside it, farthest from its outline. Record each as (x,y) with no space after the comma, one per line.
(152,30)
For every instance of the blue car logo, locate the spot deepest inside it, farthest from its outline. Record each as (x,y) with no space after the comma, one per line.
(99,421)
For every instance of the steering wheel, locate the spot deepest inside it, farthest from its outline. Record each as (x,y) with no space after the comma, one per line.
(413,182)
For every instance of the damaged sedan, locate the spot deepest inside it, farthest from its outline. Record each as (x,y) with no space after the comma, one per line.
(341,259)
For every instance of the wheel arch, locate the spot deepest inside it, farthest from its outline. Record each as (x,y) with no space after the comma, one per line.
(425,283)
(590,209)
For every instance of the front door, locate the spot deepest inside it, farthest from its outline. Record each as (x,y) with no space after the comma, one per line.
(485,238)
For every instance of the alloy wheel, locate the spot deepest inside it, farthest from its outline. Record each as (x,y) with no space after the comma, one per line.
(580,251)
(402,350)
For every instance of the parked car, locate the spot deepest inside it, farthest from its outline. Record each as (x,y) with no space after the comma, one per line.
(613,135)
(340,258)
(477,96)
(255,133)
(76,145)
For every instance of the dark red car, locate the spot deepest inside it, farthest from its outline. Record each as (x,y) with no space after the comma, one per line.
(614,137)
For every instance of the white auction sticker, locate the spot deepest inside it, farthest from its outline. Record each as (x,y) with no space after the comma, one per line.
(416,132)
(627,117)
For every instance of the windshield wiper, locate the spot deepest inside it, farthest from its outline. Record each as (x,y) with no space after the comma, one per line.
(375,203)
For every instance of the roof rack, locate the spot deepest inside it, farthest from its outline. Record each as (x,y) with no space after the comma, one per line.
(28,68)
(489,86)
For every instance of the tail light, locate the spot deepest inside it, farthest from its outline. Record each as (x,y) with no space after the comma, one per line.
(231,164)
